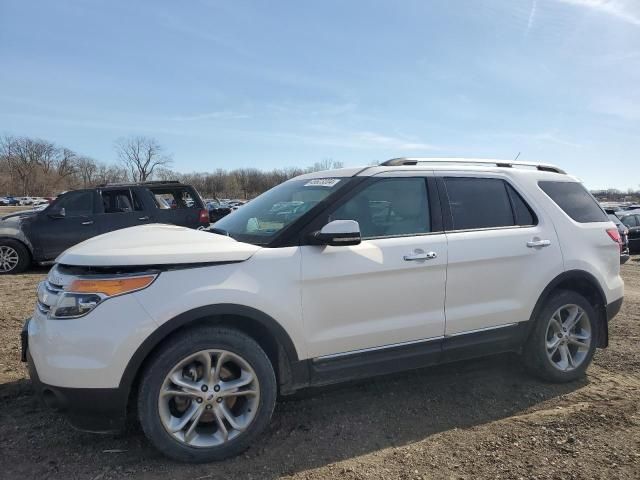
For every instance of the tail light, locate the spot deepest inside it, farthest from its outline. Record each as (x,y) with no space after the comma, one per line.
(615,236)
(204,216)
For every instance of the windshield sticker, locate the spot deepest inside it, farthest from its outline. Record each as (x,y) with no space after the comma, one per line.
(322,182)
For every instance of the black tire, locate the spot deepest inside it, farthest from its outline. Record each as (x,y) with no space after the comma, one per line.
(24,258)
(180,347)
(535,349)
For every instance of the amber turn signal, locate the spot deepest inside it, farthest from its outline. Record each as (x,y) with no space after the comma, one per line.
(111,286)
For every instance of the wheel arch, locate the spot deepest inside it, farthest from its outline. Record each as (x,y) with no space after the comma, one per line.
(19,238)
(265,330)
(585,284)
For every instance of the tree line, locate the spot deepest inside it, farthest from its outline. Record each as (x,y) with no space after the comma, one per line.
(36,167)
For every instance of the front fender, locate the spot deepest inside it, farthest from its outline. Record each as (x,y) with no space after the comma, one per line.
(14,233)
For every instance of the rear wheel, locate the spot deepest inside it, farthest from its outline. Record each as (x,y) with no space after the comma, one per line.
(562,343)
(14,257)
(207,395)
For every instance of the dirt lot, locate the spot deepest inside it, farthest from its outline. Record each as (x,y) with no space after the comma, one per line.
(480,419)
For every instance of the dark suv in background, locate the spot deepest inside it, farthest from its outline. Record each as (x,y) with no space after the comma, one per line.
(631,219)
(39,237)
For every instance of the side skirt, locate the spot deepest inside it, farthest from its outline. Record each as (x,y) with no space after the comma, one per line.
(395,358)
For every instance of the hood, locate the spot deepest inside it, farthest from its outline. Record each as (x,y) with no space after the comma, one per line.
(156,244)
(16,216)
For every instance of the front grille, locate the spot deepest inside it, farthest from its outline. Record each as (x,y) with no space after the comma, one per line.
(47,296)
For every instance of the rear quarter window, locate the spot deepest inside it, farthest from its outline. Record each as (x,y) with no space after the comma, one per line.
(178,197)
(575,201)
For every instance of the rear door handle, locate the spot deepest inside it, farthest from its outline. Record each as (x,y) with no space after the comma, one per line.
(143,218)
(419,254)
(538,243)
(89,222)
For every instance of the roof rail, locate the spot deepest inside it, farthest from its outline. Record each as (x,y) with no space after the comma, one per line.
(149,182)
(545,167)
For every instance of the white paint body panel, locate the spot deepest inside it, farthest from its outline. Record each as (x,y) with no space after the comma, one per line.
(92,351)
(493,277)
(367,295)
(156,244)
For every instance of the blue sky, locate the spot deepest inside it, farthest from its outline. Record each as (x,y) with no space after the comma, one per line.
(287,83)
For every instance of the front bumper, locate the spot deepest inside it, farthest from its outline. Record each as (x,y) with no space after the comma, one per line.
(100,410)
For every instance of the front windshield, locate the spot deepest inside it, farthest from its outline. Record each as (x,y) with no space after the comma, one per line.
(260,220)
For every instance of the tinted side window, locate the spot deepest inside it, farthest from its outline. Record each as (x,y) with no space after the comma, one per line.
(523,214)
(120,201)
(389,207)
(630,221)
(479,203)
(76,204)
(575,200)
(175,197)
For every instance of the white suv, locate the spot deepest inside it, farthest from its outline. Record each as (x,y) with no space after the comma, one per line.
(327,277)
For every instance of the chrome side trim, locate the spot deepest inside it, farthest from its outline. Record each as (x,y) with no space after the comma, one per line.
(412,342)
(478,330)
(373,349)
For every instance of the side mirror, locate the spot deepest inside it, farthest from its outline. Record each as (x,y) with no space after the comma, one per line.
(58,213)
(338,233)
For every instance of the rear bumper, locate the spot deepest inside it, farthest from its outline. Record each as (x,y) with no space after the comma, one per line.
(100,410)
(613,308)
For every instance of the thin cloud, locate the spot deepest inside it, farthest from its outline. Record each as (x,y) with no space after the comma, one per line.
(365,140)
(396,143)
(532,17)
(625,10)
(226,115)
(545,136)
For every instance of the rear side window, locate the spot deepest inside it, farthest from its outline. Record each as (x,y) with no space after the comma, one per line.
(630,221)
(120,201)
(486,203)
(175,198)
(575,201)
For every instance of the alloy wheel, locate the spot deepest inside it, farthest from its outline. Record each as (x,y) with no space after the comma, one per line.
(568,337)
(209,398)
(9,258)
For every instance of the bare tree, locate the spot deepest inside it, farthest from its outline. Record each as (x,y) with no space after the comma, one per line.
(141,156)
(326,164)
(22,158)
(86,169)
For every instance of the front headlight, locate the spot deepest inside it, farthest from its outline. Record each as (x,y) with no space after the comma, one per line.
(75,305)
(83,295)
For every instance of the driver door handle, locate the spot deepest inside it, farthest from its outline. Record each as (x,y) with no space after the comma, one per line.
(146,217)
(420,255)
(88,222)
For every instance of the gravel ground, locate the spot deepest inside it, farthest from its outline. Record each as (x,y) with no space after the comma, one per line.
(470,420)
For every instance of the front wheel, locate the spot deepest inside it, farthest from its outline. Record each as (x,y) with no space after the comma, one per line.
(207,395)
(14,257)
(562,343)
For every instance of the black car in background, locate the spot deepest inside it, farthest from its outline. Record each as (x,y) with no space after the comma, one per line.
(624,237)
(40,236)
(631,220)
(217,210)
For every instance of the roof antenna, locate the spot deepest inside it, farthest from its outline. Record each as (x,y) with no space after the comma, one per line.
(516,157)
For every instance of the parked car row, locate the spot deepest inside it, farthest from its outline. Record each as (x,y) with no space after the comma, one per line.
(221,208)
(39,236)
(15,201)
(628,222)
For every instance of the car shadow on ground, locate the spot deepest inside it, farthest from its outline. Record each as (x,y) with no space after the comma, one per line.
(314,428)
